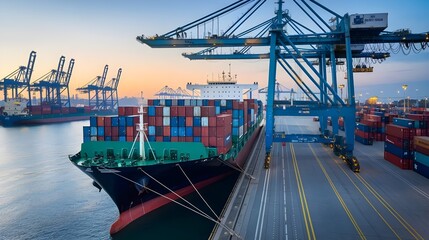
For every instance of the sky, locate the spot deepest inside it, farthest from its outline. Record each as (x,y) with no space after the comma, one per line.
(100,32)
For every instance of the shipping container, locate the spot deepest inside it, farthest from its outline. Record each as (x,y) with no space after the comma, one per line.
(421,169)
(397,161)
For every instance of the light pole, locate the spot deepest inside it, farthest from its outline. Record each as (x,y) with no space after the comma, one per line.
(426,99)
(404,86)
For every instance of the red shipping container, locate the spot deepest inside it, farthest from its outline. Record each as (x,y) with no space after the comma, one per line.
(362,134)
(197,131)
(150,102)
(130,131)
(223,120)
(121,111)
(181,112)
(204,131)
(400,132)
(107,121)
(212,121)
(397,161)
(115,131)
(174,139)
(115,138)
(189,139)
(159,111)
(399,142)
(205,141)
(208,111)
(189,121)
(371,123)
(130,139)
(136,110)
(189,111)
(158,138)
(222,131)
(212,141)
(166,131)
(100,138)
(223,150)
(158,121)
(173,111)
(212,131)
(235,104)
(418,132)
(152,121)
(182,139)
(211,102)
(100,121)
(108,131)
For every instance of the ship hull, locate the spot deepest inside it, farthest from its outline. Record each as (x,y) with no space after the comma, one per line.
(137,191)
(11,121)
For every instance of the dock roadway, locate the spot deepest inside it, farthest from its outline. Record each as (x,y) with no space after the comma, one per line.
(309,193)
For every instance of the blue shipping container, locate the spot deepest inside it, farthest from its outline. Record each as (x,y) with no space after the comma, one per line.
(182,121)
(166,139)
(182,132)
(403,122)
(397,151)
(130,121)
(151,111)
(93,131)
(86,131)
(189,131)
(197,139)
(174,122)
(363,140)
(174,131)
(421,158)
(122,122)
(114,121)
(421,169)
(100,131)
(93,121)
(151,130)
(197,121)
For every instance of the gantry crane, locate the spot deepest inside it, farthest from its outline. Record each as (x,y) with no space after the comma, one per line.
(333,43)
(110,92)
(96,85)
(19,80)
(53,83)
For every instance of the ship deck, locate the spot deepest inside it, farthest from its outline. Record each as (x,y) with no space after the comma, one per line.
(310,193)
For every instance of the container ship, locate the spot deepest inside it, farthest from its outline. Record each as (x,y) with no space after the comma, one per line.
(147,157)
(16,113)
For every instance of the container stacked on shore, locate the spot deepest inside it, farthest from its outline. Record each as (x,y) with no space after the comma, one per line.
(421,155)
(398,146)
(215,123)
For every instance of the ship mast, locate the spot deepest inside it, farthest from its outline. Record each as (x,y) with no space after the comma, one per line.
(141,129)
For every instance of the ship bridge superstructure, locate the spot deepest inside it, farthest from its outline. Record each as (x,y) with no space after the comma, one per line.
(285,42)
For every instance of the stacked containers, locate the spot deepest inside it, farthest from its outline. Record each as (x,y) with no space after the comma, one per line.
(215,123)
(364,134)
(421,123)
(398,146)
(421,155)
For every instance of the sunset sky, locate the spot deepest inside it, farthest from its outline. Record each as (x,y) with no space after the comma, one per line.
(98,32)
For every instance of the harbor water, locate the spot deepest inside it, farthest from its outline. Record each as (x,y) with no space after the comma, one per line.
(43,196)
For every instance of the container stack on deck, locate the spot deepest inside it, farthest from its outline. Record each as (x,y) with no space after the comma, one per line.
(215,123)
(421,155)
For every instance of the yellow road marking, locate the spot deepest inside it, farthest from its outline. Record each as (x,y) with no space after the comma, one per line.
(304,206)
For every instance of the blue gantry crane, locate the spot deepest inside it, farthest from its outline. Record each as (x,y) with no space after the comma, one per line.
(95,90)
(288,41)
(110,92)
(52,84)
(19,80)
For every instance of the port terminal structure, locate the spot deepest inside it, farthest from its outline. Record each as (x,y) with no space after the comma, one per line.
(102,95)
(337,42)
(53,89)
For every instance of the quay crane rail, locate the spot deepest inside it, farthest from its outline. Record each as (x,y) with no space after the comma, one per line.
(329,45)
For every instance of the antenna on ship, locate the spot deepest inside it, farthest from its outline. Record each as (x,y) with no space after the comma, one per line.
(141,127)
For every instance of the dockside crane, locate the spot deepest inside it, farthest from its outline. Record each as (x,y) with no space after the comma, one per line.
(339,42)
(48,85)
(64,84)
(96,85)
(19,81)
(110,92)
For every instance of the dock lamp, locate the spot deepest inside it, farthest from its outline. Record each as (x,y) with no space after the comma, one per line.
(404,86)
(341,86)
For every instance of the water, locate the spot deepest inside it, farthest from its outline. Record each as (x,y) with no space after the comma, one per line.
(43,196)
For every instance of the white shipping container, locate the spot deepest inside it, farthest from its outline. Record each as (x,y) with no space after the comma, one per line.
(197,111)
(240,131)
(223,103)
(187,102)
(174,102)
(372,20)
(166,121)
(199,102)
(162,102)
(204,121)
(166,111)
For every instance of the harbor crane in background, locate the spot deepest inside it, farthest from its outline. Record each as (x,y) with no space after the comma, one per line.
(95,86)
(110,92)
(344,39)
(52,84)
(18,81)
